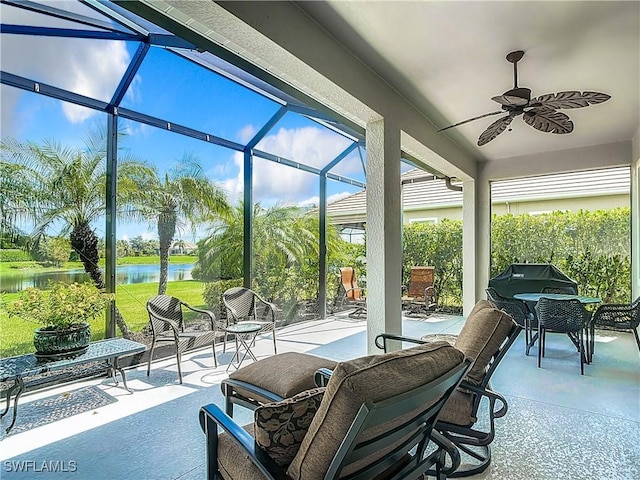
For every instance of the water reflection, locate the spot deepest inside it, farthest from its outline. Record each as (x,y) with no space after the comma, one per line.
(125,274)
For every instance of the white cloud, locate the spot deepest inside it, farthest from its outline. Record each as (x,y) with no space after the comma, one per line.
(310,202)
(89,67)
(315,200)
(274,182)
(246,133)
(337,196)
(9,100)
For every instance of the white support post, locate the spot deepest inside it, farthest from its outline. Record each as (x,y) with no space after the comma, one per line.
(476,241)
(384,231)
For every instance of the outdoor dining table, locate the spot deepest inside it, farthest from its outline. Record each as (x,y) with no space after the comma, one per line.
(534,297)
(529,298)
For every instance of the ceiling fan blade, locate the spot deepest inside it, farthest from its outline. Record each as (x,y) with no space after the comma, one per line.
(570,99)
(548,121)
(495,129)
(471,120)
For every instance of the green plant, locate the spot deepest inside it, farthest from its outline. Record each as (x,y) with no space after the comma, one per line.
(61,306)
(212,294)
(14,255)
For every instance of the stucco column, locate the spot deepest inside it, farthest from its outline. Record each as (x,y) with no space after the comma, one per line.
(635,216)
(476,241)
(384,231)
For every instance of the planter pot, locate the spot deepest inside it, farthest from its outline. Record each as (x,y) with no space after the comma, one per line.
(53,344)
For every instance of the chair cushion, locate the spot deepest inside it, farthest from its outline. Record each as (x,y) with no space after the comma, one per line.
(285,374)
(484,331)
(233,461)
(279,427)
(372,378)
(458,409)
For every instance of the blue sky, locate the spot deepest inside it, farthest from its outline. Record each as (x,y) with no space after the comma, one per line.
(174,89)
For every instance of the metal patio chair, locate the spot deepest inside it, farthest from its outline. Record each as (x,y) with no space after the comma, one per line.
(420,293)
(353,294)
(486,337)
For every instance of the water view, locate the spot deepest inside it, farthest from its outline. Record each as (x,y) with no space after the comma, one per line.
(125,274)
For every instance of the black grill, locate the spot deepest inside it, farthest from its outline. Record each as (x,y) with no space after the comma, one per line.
(531,278)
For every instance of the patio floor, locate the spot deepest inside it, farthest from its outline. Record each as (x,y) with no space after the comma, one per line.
(560,425)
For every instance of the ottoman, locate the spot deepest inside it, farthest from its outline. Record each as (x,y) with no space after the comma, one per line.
(272,379)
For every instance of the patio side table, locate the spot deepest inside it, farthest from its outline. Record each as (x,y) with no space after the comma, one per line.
(22,367)
(245,334)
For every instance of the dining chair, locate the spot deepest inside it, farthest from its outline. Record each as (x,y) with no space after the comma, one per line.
(619,316)
(562,316)
(519,312)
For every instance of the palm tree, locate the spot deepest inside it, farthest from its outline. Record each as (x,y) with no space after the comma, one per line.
(284,236)
(183,195)
(67,189)
(180,244)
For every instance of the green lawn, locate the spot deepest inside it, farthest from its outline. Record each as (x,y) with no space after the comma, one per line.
(7,267)
(16,335)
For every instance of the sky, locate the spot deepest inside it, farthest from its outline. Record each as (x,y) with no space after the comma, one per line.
(174,89)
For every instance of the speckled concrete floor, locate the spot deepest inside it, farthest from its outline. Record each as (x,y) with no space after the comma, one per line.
(560,425)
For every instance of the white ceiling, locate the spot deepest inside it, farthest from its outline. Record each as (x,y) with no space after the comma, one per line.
(448,58)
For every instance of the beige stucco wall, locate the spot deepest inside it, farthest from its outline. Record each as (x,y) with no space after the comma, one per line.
(517,208)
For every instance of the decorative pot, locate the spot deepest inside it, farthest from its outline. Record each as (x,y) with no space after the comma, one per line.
(55,344)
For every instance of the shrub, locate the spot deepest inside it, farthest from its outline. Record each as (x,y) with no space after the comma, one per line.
(62,305)
(212,294)
(14,255)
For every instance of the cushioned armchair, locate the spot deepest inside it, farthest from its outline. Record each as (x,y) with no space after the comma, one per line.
(167,326)
(486,337)
(373,420)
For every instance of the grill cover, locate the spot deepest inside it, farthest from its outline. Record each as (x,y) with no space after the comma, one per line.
(529,278)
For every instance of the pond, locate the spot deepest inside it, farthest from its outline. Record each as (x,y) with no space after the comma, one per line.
(11,282)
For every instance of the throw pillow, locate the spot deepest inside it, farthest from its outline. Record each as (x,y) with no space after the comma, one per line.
(279,427)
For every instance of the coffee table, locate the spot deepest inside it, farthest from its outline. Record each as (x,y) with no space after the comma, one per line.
(22,367)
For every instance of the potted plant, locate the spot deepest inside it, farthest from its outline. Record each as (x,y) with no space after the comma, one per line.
(64,310)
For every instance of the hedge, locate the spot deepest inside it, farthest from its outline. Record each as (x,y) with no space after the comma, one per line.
(593,248)
(14,255)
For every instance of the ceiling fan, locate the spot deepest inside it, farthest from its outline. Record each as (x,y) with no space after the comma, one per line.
(539,112)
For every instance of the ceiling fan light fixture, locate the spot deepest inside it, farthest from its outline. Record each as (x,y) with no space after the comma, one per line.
(540,113)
